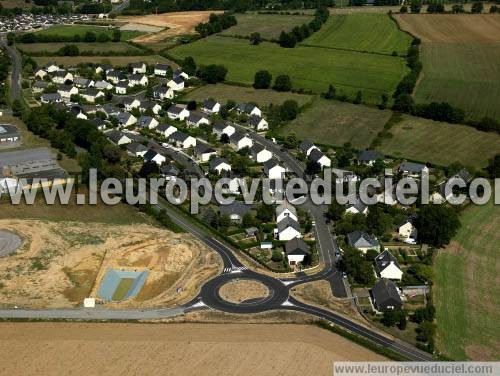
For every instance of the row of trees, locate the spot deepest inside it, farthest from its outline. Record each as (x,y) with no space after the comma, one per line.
(216,23)
(4,72)
(88,37)
(263,80)
(436,7)
(299,33)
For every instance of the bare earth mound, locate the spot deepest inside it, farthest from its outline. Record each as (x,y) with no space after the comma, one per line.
(175,349)
(61,263)
(452,28)
(238,291)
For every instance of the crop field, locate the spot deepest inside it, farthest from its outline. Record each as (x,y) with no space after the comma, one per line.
(309,68)
(441,143)
(222,93)
(114,60)
(72,30)
(268,25)
(49,48)
(361,32)
(466,288)
(460,55)
(335,123)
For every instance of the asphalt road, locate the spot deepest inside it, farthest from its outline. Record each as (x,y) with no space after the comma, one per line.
(15,86)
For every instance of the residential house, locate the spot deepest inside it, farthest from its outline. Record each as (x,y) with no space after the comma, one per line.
(176,84)
(130,103)
(307,147)
(153,156)
(9,133)
(176,112)
(412,170)
(219,165)
(344,176)
(161,69)
(103,68)
(83,83)
(51,98)
(137,80)
(240,141)
(260,154)
(118,137)
(195,119)
(40,73)
(221,128)
(78,112)
(67,91)
(126,119)
(39,86)
(181,74)
(163,92)
(318,157)
(248,109)
(387,266)
(273,170)
(258,123)
(51,67)
(286,210)
(182,140)
(121,87)
(204,151)
(210,106)
(115,76)
(147,122)
(235,210)
(103,85)
(136,149)
(99,123)
(369,157)
(385,296)
(110,110)
(138,68)
(62,76)
(407,229)
(287,229)
(165,129)
(362,241)
(359,207)
(146,106)
(464,175)
(296,250)
(91,94)
(169,171)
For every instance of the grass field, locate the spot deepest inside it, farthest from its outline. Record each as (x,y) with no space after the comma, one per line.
(309,68)
(223,93)
(466,288)
(335,123)
(114,60)
(441,143)
(122,288)
(460,55)
(37,48)
(72,30)
(465,75)
(268,25)
(361,32)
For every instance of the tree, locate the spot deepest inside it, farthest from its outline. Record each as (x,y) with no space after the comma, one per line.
(103,38)
(416,6)
(117,35)
(277,256)
(335,211)
(255,39)
(330,94)
(355,265)
(248,220)
(212,73)
(17,108)
(189,66)
(287,40)
(282,83)
(224,138)
(477,7)
(393,317)
(89,37)
(262,80)
(359,97)
(312,167)
(494,167)
(289,110)
(403,103)
(191,106)
(148,169)
(437,224)
(69,50)
(384,99)
(265,213)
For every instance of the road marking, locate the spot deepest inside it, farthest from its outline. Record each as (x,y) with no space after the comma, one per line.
(287,304)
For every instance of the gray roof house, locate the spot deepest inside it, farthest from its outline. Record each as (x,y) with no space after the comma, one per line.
(368,157)
(385,296)
(362,241)
(296,246)
(236,210)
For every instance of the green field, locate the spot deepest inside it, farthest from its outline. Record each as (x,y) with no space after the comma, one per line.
(465,75)
(114,60)
(466,288)
(72,30)
(123,288)
(309,68)
(361,32)
(268,25)
(441,143)
(38,48)
(335,123)
(223,93)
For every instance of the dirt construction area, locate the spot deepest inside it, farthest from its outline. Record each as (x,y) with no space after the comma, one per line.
(61,263)
(173,349)
(175,23)
(452,28)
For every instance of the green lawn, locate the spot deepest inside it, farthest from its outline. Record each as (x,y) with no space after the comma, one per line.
(361,32)
(465,75)
(466,290)
(309,68)
(72,30)
(123,288)
(223,93)
(335,123)
(441,143)
(269,26)
(38,48)
(114,60)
